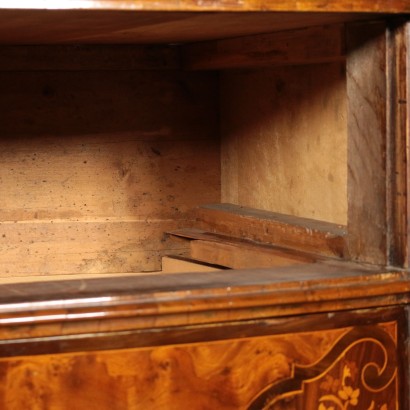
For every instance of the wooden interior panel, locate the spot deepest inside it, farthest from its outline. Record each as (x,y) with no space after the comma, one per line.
(144,27)
(367,142)
(311,45)
(97,165)
(79,246)
(284,140)
(86,57)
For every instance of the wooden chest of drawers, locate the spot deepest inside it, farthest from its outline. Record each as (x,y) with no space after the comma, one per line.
(203,205)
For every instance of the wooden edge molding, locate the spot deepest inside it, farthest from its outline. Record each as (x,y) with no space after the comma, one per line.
(146,302)
(316,237)
(375,6)
(88,57)
(310,45)
(186,334)
(398,114)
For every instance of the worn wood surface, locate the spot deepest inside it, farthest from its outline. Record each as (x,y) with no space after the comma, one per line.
(304,234)
(144,27)
(240,257)
(295,120)
(378,6)
(243,251)
(30,278)
(97,165)
(397,148)
(366,186)
(303,46)
(155,303)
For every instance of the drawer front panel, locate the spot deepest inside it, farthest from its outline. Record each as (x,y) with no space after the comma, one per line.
(351,367)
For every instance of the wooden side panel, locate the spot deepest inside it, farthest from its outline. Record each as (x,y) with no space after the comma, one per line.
(366,92)
(398,115)
(97,165)
(223,375)
(284,140)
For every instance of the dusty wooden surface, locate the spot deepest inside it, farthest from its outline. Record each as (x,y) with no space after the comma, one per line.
(240,257)
(239,253)
(295,119)
(366,187)
(320,238)
(97,165)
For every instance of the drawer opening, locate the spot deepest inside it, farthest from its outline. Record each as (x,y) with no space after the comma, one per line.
(222,153)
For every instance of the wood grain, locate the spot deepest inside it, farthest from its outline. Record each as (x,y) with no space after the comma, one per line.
(61,314)
(320,238)
(237,256)
(97,165)
(292,47)
(244,244)
(366,92)
(81,246)
(342,376)
(295,118)
(203,375)
(397,144)
(162,26)
(378,6)
(211,375)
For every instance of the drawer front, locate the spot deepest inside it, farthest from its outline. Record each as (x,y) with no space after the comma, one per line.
(352,367)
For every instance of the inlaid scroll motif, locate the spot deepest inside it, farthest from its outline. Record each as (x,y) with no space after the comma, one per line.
(358,373)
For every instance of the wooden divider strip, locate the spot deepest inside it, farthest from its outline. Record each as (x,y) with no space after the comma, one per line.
(320,238)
